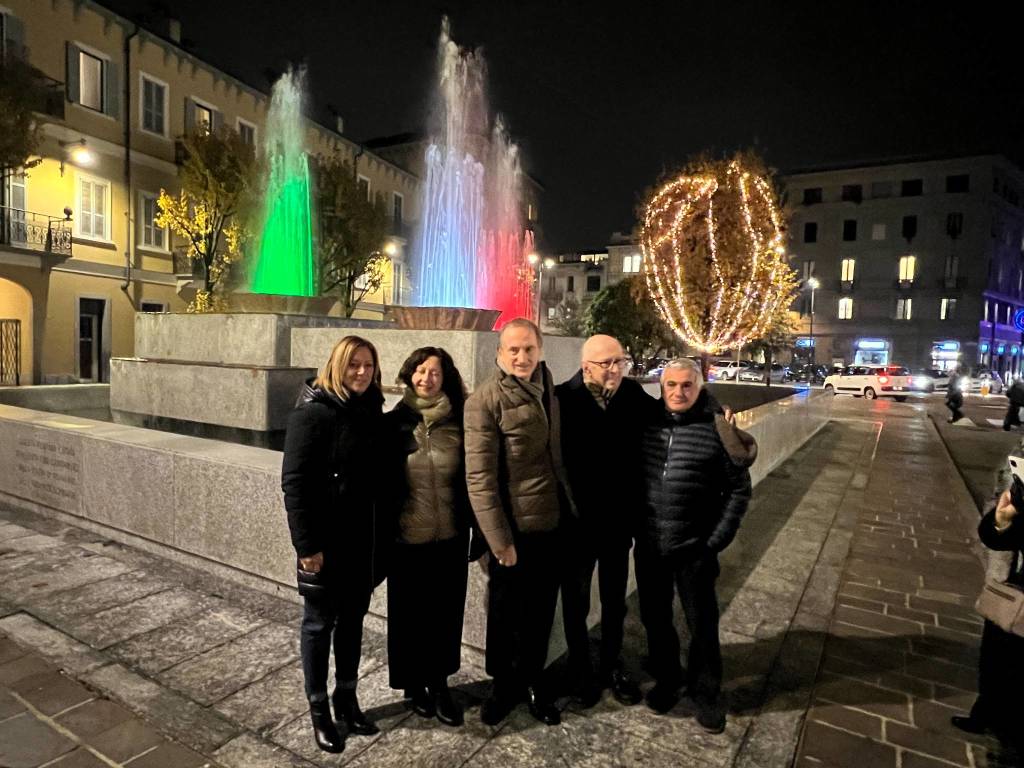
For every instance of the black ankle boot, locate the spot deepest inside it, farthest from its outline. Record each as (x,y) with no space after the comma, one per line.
(324,731)
(448,711)
(346,709)
(422,702)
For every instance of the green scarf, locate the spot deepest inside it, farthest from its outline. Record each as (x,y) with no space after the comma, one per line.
(432,409)
(535,386)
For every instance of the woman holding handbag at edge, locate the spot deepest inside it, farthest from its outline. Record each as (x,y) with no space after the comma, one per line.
(330,480)
(429,563)
(1001,658)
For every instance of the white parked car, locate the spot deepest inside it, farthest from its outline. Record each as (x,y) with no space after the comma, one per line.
(755,373)
(727,370)
(871,381)
(930,380)
(991,379)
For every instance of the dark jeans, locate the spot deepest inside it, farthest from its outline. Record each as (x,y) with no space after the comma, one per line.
(581,553)
(521,610)
(955,401)
(337,617)
(658,579)
(426,602)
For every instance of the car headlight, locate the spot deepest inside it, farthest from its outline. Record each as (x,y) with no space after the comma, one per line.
(922,382)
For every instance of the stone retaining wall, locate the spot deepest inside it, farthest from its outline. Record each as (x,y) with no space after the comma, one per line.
(219,505)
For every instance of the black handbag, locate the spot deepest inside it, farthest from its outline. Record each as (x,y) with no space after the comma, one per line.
(311,584)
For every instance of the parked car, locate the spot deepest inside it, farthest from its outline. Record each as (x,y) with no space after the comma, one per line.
(727,370)
(871,381)
(980,376)
(930,380)
(807,374)
(649,368)
(756,373)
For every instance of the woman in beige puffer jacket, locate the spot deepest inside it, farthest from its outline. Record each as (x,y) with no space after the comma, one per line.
(427,578)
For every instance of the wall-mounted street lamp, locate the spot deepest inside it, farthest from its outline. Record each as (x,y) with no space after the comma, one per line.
(77,152)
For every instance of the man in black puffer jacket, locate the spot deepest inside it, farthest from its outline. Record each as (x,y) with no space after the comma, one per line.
(697,491)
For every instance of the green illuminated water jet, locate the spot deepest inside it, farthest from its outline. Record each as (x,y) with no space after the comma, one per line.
(284,262)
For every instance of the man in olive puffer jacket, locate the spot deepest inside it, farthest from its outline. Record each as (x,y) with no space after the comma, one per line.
(514,477)
(697,491)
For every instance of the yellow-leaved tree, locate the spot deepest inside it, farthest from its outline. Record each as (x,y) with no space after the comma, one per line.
(209,212)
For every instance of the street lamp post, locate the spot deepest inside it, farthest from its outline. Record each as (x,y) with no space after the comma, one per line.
(540,264)
(813,284)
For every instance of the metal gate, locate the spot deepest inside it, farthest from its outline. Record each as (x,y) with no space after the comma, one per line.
(10,352)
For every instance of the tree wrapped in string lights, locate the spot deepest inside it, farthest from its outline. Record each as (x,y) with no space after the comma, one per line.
(714,258)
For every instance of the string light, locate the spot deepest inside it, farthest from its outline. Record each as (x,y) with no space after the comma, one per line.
(713,256)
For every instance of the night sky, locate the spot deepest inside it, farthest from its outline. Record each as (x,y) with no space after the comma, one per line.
(605,102)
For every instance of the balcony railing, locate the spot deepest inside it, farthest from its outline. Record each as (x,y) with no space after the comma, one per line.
(45,94)
(35,231)
(48,95)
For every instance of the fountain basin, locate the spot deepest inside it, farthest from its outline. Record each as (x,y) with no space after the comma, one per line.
(444,318)
(281,305)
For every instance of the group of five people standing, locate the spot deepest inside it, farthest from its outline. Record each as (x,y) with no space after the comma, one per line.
(542,481)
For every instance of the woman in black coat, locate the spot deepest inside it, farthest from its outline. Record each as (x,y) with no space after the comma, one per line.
(329,478)
(1001,660)
(428,573)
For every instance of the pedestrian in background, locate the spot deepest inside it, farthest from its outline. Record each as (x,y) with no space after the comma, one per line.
(1015,394)
(955,395)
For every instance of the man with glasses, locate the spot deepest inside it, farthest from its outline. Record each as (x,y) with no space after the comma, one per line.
(602,418)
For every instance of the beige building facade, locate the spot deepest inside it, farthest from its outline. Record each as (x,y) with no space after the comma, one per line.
(79,253)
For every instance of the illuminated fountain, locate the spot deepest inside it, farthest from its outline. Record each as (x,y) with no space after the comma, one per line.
(472,247)
(284,261)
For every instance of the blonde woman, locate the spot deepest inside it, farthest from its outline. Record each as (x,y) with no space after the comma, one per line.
(329,477)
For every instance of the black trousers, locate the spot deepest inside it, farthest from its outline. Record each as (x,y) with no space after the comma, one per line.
(582,550)
(426,604)
(521,609)
(1012,417)
(1000,677)
(334,619)
(693,577)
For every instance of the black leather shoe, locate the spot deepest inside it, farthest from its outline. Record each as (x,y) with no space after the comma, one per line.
(346,709)
(586,694)
(324,731)
(661,698)
(422,702)
(624,689)
(542,708)
(496,709)
(711,717)
(448,711)
(969,724)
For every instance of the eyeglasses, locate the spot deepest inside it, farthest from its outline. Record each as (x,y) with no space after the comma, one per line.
(619,362)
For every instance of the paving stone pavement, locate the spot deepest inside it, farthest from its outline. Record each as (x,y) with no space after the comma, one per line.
(846,625)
